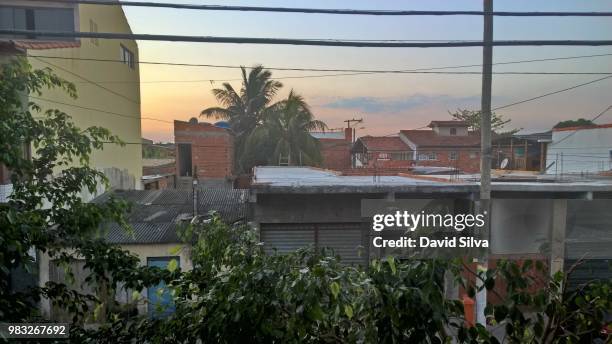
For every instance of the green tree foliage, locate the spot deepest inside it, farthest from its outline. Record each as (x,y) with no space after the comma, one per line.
(244,109)
(45,210)
(472,118)
(237,293)
(252,116)
(574,123)
(285,133)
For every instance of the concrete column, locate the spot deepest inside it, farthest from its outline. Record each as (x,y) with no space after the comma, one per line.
(557,237)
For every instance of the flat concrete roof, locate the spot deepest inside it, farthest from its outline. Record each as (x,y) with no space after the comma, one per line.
(289,179)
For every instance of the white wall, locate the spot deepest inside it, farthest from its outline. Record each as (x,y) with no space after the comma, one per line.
(578,151)
(143,251)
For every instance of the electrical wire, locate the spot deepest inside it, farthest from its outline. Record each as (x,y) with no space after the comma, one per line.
(300,42)
(88,81)
(365,71)
(100,110)
(325,10)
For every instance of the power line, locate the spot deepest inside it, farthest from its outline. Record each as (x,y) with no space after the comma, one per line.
(551,93)
(100,110)
(301,42)
(497,108)
(356,71)
(494,109)
(352,74)
(539,97)
(325,10)
(89,81)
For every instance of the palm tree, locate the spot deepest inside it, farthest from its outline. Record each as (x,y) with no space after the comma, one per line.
(244,109)
(285,133)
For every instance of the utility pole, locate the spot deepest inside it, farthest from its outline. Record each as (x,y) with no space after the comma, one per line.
(484,205)
(348,125)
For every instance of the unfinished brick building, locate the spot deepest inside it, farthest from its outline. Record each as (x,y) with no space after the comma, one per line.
(203,151)
(335,148)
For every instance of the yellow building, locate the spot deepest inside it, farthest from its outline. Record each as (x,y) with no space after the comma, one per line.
(108,92)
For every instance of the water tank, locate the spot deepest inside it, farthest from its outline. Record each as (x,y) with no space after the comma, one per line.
(222,124)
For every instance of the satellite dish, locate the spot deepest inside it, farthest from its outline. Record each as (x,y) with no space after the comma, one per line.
(504,164)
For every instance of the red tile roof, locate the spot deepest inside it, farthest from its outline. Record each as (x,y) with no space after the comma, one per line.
(39,45)
(384,143)
(429,138)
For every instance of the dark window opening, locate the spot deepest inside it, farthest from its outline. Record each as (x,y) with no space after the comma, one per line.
(453,131)
(37,19)
(184,158)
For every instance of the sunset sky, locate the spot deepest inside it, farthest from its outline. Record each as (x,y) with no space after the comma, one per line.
(387,102)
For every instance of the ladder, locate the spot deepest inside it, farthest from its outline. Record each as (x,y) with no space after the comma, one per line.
(283,160)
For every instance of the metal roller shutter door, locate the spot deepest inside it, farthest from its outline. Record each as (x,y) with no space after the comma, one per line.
(346,242)
(286,238)
(346,239)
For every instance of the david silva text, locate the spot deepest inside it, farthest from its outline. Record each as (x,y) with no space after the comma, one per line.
(423,242)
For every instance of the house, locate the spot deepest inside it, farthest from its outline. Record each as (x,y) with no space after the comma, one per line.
(556,222)
(523,152)
(580,150)
(447,144)
(204,152)
(97,104)
(335,148)
(156,218)
(382,152)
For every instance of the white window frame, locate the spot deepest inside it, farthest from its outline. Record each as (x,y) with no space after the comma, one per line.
(127,56)
(427,156)
(453,155)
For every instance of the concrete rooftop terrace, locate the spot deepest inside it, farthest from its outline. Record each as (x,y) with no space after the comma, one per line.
(290,179)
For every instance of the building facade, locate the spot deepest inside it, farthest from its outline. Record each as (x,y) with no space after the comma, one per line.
(382,152)
(335,148)
(204,152)
(115,106)
(447,144)
(580,150)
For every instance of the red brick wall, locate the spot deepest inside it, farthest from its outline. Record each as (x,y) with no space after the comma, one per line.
(212,149)
(336,154)
(375,160)
(465,162)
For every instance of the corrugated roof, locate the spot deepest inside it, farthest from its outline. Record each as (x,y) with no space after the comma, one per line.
(155,214)
(384,143)
(429,138)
